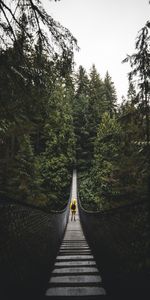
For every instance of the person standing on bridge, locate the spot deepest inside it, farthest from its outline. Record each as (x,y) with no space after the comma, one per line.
(73,207)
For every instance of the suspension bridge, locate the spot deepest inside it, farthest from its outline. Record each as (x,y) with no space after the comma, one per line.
(47,255)
(75,272)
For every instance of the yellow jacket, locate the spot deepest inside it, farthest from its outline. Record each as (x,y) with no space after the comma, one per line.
(75,203)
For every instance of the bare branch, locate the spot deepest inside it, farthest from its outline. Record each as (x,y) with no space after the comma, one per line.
(10,27)
(13,16)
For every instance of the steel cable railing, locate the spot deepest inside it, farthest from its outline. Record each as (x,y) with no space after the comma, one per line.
(120,239)
(29,240)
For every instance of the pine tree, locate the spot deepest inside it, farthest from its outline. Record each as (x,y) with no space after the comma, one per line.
(40,108)
(131,95)
(80,113)
(96,107)
(20,174)
(59,154)
(110,95)
(140,64)
(107,155)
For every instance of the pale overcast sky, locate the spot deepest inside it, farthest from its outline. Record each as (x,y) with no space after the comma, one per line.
(106,31)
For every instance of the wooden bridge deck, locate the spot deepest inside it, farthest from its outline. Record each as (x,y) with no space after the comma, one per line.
(75,273)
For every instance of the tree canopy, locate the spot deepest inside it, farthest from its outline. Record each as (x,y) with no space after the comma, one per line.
(40,26)
(53,118)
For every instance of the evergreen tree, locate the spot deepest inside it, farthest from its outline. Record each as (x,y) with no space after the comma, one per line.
(131,95)
(140,63)
(107,155)
(80,113)
(96,107)
(37,90)
(93,97)
(133,172)
(20,174)
(110,95)
(82,82)
(102,181)
(59,155)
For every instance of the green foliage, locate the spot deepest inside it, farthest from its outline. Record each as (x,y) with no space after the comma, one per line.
(135,157)
(140,64)
(52,118)
(96,102)
(93,97)
(36,132)
(120,172)
(120,168)
(59,155)
(86,193)
(23,180)
(107,155)
(110,95)
(80,117)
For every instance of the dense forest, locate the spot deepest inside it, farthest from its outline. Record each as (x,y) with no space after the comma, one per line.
(53,118)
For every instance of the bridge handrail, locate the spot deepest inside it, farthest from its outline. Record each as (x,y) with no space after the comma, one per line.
(30,238)
(119,237)
(5,201)
(111,210)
